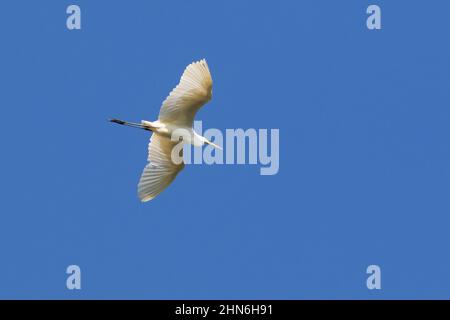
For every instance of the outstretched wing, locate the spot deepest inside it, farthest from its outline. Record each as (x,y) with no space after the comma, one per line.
(193,91)
(161,170)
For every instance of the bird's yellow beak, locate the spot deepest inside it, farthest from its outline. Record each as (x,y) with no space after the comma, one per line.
(213,144)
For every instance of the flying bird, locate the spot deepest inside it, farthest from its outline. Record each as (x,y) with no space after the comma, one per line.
(177,112)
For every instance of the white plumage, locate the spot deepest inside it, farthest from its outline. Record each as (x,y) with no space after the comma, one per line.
(193,91)
(160,171)
(177,112)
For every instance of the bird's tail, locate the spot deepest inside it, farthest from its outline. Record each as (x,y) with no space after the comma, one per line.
(143,126)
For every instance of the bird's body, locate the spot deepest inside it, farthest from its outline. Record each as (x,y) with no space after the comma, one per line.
(175,119)
(167,130)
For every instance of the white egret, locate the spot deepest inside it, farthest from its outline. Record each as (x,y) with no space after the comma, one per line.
(177,112)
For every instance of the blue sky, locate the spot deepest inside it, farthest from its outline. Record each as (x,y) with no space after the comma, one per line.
(364,150)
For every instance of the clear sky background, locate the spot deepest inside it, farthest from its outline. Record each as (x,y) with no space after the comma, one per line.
(364,150)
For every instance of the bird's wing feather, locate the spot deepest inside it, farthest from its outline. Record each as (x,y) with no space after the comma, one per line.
(160,171)
(193,91)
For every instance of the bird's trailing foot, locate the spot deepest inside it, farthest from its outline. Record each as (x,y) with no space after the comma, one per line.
(130,124)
